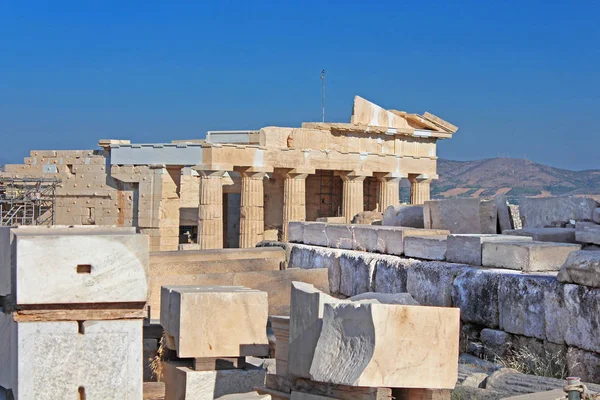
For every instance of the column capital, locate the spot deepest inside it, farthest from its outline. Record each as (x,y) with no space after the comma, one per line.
(207,173)
(421,177)
(250,171)
(353,175)
(296,173)
(389,176)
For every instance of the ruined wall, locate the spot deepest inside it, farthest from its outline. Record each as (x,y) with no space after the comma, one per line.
(502,311)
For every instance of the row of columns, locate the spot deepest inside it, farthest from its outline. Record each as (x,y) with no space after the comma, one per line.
(210,211)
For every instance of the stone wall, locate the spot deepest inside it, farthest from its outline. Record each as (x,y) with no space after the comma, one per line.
(500,309)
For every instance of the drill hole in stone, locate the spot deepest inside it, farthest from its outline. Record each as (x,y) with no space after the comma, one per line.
(84,269)
(80,327)
(81,391)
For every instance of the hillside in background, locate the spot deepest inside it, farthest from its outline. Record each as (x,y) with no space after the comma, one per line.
(513,177)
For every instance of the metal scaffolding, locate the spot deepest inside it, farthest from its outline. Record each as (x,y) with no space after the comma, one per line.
(27,201)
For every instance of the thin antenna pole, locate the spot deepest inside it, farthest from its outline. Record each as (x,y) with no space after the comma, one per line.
(323,94)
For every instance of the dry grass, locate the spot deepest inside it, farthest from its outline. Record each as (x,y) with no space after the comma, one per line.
(156,364)
(551,365)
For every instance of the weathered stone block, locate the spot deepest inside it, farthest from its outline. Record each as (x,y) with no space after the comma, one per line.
(426,247)
(365,238)
(497,344)
(587,232)
(560,235)
(430,283)
(461,215)
(404,215)
(51,360)
(583,364)
(543,211)
(504,220)
(521,303)
(357,270)
(390,239)
(357,341)
(596,215)
(315,233)
(183,383)
(391,273)
(75,265)
(581,267)
(526,256)
(475,292)
(466,249)
(215,321)
(340,236)
(295,232)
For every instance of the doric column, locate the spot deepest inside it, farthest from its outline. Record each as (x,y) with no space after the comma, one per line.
(210,210)
(252,225)
(389,191)
(352,196)
(294,199)
(419,189)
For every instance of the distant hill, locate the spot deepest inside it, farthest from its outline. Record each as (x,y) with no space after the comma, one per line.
(511,176)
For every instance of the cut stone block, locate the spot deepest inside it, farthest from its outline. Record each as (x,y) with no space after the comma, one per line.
(365,238)
(390,239)
(215,321)
(560,235)
(466,249)
(596,215)
(315,233)
(430,283)
(461,215)
(404,215)
(295,232)
(74,265)
(390,274)
(340,236)
(583,364)
(341,391)
(52,360)
(275,283)
(281,329)
(216,261)
(183,383)
(357,269)
(581,267)
(245,396)
(387,345)
(426,247)
(527,256)
(521,303)
(306,319)
(587,232)
(543,211)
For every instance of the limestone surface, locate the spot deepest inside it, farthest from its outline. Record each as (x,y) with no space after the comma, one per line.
(581,267)
(404,215)
(587,232)
(387,345)
(53,360)
(340,236)
(215,321)
(426,247)
(466,249)
(526,256)
(543,211)
(295,231)
(461,215)
(315,233)
(61,266)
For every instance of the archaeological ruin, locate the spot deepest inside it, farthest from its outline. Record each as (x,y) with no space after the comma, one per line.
(279,264)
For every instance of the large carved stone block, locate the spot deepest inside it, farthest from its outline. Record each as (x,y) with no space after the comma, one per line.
(70,360)
(42,265)
(215,321)
(387,345)
(526,256)
(461,215)
(581,267)
(426,247)
(466,249)
(543,211)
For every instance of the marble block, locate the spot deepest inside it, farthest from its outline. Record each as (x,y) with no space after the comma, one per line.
(426,247)
(183,383)
(74,265)
(215,321)
(466,249)
(526,256)
(388,345)
(61,360)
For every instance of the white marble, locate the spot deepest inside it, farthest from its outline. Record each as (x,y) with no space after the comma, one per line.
(45,264)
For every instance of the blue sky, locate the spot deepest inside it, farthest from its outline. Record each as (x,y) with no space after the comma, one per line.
(520,79)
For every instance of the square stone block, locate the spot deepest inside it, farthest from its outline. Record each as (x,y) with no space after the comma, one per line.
(390,239)
(315,234)
(295,231)
(426,247)
(466,249)
(340,236)
(468,215)
(587,232)
(73,265)
(183,383)
(543,211)
(527,256)
(215,321)
(387,345)
(62,360)
(561,235)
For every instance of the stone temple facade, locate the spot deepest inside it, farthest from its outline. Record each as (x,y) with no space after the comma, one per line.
(237,188)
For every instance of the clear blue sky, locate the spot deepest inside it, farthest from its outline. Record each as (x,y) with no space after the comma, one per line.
(519,78)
